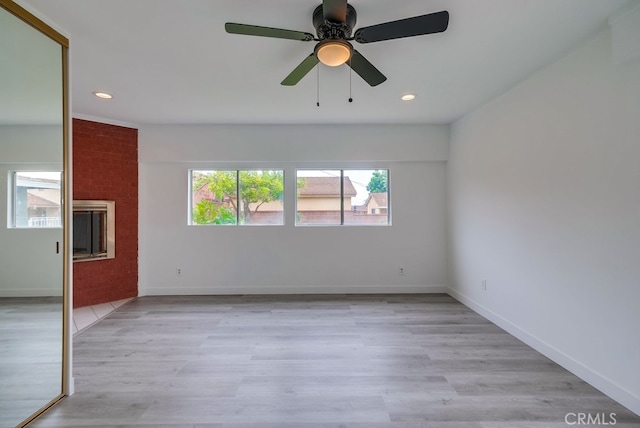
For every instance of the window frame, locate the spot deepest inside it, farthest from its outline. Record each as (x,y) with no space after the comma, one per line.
(12,199)
(238,188)
(342,223)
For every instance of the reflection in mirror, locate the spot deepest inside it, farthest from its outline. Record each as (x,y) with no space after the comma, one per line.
(31,256)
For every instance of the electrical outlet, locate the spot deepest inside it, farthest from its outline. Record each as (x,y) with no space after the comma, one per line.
(179,271)
(484,285)
(401,271)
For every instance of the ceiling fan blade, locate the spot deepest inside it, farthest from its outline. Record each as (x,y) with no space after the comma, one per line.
(301,70)
(409,27)
(335,10)
(278,33)
(365,69)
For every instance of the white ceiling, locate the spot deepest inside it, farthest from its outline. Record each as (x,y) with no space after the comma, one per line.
(172,61)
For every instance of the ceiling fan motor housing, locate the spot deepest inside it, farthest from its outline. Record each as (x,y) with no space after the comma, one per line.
(326,29)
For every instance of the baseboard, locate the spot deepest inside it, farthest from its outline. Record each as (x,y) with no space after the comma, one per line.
(31,292)
(602,383)
(316,289)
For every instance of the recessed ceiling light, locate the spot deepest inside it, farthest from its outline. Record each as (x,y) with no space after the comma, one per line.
(103,95)
(408,97)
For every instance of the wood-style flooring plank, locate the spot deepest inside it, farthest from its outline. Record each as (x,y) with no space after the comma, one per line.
(371,361)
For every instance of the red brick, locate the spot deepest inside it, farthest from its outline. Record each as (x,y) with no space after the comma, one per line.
(105,167)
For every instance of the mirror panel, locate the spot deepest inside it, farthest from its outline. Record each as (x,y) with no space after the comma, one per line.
(33,147)
(31,84)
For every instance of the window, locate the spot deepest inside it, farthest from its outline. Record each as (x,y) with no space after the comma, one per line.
(342,197)
(36,199)
(237,197)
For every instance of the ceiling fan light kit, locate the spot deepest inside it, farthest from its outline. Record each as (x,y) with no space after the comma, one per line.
(333,52)
(334,21)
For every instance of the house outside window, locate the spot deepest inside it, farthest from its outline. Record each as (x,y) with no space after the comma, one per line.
(36,199)
(329,197)
(342,197)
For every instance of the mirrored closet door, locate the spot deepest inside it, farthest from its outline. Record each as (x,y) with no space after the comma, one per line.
(33,238)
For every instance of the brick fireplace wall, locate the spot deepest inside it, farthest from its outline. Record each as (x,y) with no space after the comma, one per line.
(105,167)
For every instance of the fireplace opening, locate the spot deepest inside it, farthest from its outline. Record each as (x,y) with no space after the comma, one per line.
(93,230)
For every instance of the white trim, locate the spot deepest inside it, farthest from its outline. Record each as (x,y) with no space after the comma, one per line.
(273,290)
(597,380)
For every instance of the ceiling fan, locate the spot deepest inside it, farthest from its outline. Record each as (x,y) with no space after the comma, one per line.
(334,21)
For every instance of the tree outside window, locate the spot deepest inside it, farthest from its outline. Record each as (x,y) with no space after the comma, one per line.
(215,198)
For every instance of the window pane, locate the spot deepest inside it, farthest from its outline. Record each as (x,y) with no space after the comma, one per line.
(337,197)
(370,205)
(318,197)
(214,197)
(261,195)
(36,201)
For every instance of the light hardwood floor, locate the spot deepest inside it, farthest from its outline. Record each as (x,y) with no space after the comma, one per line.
(368,361)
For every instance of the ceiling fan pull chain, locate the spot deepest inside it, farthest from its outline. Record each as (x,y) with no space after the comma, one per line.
(350,73)
(318,85)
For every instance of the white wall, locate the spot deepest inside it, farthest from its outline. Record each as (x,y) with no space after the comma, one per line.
(544,204)
(289,259)
(29,265)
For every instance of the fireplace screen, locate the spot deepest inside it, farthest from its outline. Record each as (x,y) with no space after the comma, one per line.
(93,230)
